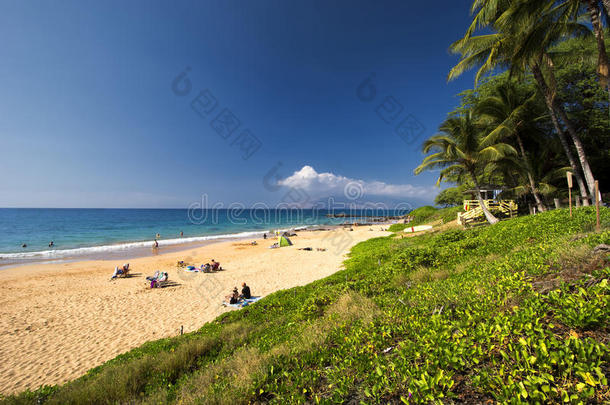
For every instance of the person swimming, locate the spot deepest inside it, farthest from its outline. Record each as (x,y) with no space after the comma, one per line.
(24,245)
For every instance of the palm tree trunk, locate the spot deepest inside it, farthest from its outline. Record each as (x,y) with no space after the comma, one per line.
(603,66)
(558,107)
(533,187)
(560,134)
(580,150)
(488,215)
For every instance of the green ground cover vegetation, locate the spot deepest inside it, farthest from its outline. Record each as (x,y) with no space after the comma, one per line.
(516,312)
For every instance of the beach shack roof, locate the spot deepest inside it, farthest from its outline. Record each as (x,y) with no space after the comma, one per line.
(486,190)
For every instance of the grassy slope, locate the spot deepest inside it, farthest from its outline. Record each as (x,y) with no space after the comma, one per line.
(428,214)
(471,315)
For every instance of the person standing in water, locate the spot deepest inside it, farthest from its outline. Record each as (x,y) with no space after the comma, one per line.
(51,244)
(181,234)
(155,245)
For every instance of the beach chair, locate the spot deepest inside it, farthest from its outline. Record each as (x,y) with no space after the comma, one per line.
(161,281)
(158,280)
(122,271)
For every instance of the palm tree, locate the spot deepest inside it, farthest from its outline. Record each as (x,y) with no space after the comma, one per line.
(461,150)
(572,10)
(516,176)
(509,113)
(603,64)
(548,24)
(520,43)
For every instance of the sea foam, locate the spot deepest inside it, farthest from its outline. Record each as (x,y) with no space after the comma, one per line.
(83,251)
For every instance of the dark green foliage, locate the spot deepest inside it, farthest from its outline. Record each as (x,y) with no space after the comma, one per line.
(449,197)
(441,317)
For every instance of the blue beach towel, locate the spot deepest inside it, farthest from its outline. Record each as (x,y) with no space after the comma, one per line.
(242,303)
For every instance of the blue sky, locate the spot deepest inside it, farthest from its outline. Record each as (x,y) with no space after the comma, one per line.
(90,119)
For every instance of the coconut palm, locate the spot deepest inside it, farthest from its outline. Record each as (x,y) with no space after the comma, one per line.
(533,44)
(460,149)
(520,43)
(571,10)
(509,112)
(603,64)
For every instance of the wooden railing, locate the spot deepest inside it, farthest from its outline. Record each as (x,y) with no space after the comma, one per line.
(474,212)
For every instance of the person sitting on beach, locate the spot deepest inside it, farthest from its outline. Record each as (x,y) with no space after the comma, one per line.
(234,297)
(161,277)
(206,268)
(215,265)
(154,276)
(245,292)
(122,271)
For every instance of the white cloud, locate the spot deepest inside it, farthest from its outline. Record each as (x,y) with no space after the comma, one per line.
(330,184)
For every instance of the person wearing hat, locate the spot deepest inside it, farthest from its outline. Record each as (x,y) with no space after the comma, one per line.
(234,297)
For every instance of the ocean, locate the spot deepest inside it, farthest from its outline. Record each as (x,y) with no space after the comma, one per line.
(101,233)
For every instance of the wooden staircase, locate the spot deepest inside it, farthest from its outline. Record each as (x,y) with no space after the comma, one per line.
(473,213)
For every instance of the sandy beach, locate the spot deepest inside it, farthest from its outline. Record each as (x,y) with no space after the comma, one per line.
(60,320)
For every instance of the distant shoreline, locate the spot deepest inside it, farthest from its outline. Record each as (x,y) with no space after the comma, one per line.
(82,234)
(141,249)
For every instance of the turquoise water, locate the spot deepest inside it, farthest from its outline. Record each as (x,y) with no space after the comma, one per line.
(81,232)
